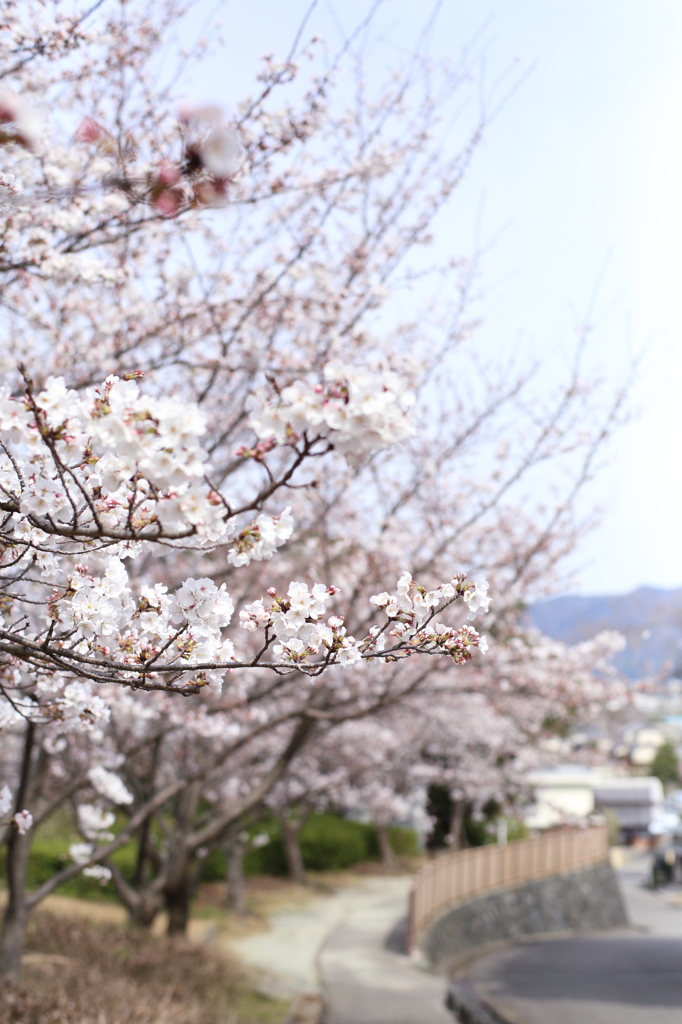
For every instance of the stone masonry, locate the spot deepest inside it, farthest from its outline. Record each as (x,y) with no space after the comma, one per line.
(578,901)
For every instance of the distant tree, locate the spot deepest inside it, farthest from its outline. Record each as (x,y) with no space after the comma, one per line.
(665,764)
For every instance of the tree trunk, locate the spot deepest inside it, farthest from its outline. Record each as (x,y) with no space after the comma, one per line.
(178,900)
(143,914)
(291,830)
(18,850)
(16,914)
(388,857)
(142,903)
(457,814)
(141,860)
(235,848)
(178,888)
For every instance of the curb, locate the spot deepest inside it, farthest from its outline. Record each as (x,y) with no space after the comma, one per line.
(469,1006)
(307,1009)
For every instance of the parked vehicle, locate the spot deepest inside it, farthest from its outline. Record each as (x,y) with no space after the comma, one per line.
(667,865)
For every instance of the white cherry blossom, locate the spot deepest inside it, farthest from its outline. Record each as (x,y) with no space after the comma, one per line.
(22,822)
(358,411)
(109,785)
(6,800)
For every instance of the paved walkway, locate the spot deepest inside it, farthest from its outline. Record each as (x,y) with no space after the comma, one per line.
(628,977)
(348,946)
(367,977)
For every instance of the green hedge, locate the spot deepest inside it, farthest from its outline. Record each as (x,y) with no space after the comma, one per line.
(48,856)
(328,843)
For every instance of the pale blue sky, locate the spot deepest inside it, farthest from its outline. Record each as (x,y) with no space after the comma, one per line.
(583,170)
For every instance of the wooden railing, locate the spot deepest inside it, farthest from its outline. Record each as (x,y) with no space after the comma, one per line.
(454,878)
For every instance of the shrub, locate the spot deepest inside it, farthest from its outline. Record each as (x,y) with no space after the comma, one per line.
(404,841)
(50,855)
(328,843)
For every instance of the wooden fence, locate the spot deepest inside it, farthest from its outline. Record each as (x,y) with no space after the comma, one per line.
(454,878)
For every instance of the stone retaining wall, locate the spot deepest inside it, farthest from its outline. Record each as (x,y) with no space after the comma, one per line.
(579,901)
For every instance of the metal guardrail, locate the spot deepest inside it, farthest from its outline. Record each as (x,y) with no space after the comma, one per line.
(454,878)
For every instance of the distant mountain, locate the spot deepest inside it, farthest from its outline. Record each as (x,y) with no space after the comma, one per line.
(649,618)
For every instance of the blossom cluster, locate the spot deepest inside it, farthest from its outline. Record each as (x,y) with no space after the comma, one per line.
(95,821)
(411,608)
(109,785)
(22,820)
(19,122)
(64,703)
(134,459)
(81,853)
(296,621)
(10,192)
(93,478)
(102,614)
(259,541)
(357,410)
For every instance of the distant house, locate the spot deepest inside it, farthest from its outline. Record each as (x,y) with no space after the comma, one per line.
(562,796)
(636,802)
(568,794)
(640,745)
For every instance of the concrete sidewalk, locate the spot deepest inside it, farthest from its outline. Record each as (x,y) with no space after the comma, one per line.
(367,977)
(629,977)
(348,946)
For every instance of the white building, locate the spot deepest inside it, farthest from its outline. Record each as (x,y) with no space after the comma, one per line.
(566,794)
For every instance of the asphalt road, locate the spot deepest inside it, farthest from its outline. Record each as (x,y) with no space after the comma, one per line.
(628,977)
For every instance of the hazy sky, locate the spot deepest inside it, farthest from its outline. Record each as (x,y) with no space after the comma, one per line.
(583,171)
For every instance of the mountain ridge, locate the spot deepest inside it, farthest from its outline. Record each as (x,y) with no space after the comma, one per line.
(650,618)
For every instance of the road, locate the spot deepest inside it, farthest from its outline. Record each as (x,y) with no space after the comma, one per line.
(629,977)
(347,947)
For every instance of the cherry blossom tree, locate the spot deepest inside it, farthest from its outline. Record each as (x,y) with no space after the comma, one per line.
(199,320)
(481,744)
(477,737)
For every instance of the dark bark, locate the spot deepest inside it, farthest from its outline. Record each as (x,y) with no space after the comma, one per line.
(178,899)
(142,854)
(388,856)
(177,890)
(144,913)
(146,854)
(291,830)
(142,904)
(16,914)
(235,848)
(18,850)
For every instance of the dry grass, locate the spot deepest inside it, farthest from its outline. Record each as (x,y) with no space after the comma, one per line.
(80,972)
